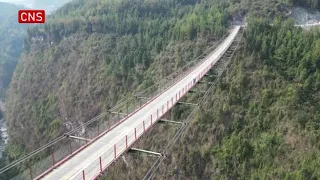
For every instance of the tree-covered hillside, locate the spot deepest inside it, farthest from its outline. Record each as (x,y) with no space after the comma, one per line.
(12,35)
(262,121)
(91,54)
(7,10)
(11,38)
(272,97)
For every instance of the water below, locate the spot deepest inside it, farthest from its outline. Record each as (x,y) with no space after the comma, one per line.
(3,136)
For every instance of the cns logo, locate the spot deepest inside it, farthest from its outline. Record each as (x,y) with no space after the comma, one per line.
(31,16)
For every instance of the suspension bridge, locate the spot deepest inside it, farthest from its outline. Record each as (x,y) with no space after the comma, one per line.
(88,150)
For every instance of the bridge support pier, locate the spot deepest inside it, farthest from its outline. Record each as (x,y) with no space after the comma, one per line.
(163,121)
(79,138)
(190,104)
(141,151)
(195,91)
(210,75)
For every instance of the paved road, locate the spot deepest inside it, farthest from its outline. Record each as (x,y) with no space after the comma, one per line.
(308,25)
(88,161)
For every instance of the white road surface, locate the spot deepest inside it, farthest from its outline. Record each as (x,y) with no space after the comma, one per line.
(314,24)
(87,161)
(308,25)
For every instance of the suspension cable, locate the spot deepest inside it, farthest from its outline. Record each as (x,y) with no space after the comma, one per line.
(182,129)
(60,138)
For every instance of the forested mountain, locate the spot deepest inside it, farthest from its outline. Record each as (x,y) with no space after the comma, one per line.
(11,38)
(7,10)
(12,35)
(92,54)
(272,96)
(262,121)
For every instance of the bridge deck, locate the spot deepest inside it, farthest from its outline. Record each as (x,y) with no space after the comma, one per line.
(87,162)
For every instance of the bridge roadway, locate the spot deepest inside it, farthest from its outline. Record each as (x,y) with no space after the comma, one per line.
(103,152)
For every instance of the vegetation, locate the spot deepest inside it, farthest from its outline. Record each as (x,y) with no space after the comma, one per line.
(273,101)
(262,121)
(12,35)
(11,38)
(92,54)
(315,4)
(259,8)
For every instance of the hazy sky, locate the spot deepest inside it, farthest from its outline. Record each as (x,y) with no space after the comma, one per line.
(48,5)
(27,3)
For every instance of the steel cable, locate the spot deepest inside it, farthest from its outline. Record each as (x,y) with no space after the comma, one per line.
(16,162)
(182,129)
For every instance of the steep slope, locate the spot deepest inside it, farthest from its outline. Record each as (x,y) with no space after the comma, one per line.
(12,35)
(261,122)
(273,101)
(259,8)
(11,38)
(91,54)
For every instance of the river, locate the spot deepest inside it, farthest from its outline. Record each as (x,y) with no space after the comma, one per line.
(3,136)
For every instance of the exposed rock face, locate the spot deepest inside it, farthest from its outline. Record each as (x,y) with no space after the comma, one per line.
(304,16)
